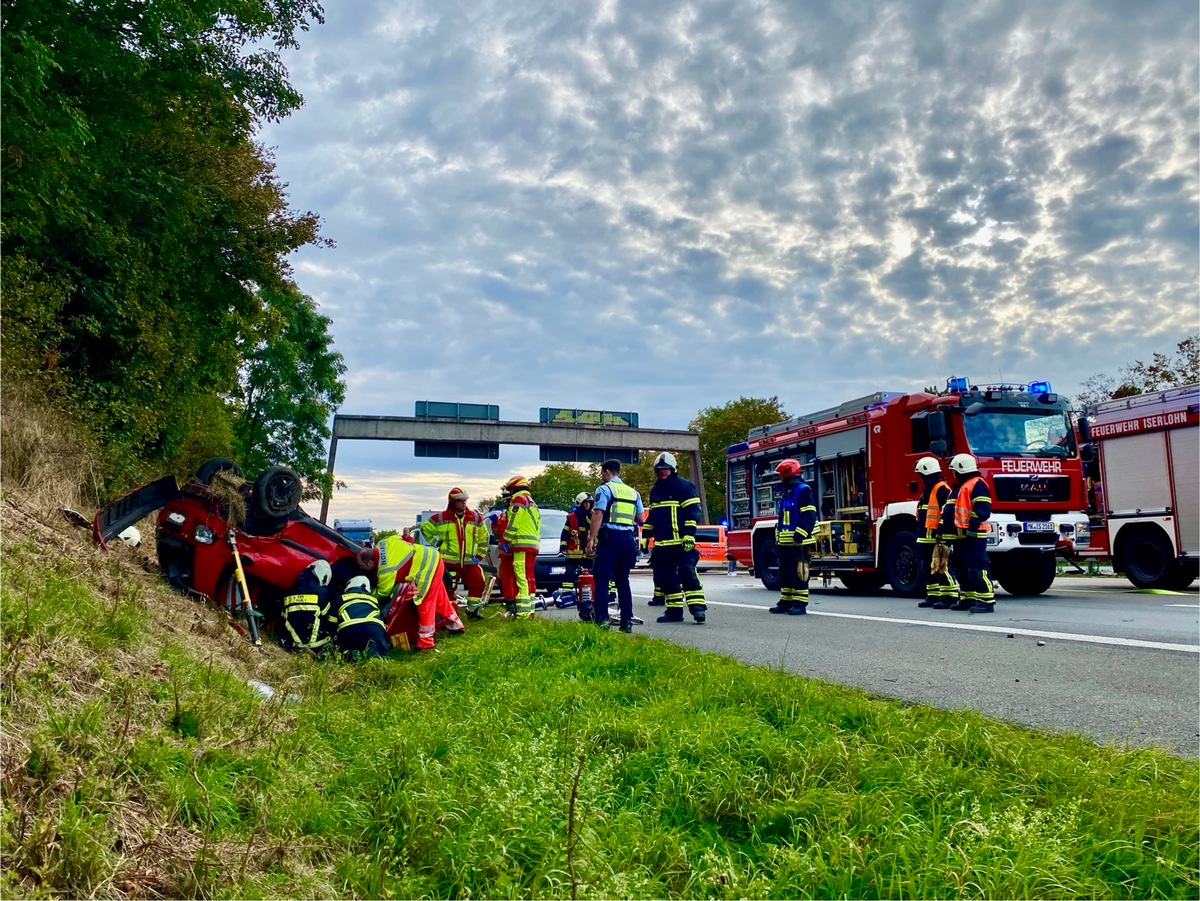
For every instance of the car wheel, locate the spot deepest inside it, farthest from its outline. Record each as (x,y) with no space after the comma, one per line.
(276,492)
(204,475)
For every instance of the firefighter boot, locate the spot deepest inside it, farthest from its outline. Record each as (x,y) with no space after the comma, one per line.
(982,607)
(674,615)
(780,608)
(798,609)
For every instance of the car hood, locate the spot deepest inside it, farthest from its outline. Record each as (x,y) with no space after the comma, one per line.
(548,547)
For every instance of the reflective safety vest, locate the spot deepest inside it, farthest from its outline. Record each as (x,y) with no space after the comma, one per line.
(933,507)
(524,531)
(297,608)
(964,507)
(622,508)
(462,537)
(400,561)
(356,608)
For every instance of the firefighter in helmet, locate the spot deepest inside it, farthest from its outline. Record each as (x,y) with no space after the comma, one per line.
(306,610)
(360,631)
(968,523)
(573,540)
(461,536)
(794,539)
(673,512)
(940,583)
(523,534)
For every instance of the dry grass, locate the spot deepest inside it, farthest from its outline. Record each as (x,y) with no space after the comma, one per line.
(44,453)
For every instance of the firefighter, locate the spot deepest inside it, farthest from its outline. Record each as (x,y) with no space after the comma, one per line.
(524,534)
(612,537)
(673,512)
(573,539)
(971,511)
(797,517)
(940,583)
(399,561)
(360,631)
(306,610)
(461,537)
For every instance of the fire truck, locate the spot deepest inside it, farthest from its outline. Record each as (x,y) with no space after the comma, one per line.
(1143,485)
(859,458)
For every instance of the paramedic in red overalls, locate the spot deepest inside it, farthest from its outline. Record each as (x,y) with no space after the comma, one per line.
(460,535)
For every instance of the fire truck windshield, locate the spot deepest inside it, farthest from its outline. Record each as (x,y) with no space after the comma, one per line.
(997,431)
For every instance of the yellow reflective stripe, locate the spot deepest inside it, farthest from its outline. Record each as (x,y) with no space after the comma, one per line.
(358,608)
(421,575)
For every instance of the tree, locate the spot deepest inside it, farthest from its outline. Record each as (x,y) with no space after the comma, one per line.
(290,385)
(1183,368)
(555,486)
(720,427)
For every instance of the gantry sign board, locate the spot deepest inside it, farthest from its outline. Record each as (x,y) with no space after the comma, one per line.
(620,442)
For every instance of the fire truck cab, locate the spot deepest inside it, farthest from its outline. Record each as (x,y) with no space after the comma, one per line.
(859,457)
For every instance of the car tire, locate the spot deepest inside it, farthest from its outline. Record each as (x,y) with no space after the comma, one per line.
(204,475)
(276,492)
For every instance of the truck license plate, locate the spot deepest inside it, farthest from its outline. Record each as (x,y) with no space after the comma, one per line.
(1039,527)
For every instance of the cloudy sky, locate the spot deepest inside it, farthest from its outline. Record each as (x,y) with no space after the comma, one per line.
(662,206)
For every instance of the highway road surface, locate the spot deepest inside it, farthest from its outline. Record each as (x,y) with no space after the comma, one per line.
(1092,656)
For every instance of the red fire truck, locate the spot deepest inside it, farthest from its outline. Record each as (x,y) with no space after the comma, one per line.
(1143,470)
(859,457)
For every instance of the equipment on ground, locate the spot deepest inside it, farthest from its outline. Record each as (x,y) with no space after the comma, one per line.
(247,605)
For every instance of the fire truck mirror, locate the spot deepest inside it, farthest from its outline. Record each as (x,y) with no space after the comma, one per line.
(937,425)
(938,448)
(1085,430)
(975,409)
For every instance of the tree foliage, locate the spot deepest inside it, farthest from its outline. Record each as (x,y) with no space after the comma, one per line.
(136,200)
(720,427)
(1163,371)
(556,486)
(289,387)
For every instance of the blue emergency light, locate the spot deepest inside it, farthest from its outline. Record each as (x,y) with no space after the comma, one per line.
(958,385)
(1039,388)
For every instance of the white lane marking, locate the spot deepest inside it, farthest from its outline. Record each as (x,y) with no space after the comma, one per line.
(1004,630)
(1188,606)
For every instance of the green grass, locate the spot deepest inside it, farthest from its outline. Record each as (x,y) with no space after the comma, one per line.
(528,760)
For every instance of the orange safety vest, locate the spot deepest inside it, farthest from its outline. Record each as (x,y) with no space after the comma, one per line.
(933,512)
(963,508)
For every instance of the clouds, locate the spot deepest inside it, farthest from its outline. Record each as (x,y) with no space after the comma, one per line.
(710,199)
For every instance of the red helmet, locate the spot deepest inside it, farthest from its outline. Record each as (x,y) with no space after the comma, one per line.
(516,483)
(457,494)
(788,468)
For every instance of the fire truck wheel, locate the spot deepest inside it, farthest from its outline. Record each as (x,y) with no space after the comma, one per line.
(1024,574)
(903,563)
(1146,558)
(766,563)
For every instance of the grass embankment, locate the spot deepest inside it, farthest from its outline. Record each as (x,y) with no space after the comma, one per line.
(525,760)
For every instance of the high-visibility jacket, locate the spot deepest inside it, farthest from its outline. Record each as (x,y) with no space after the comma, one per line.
(797,511)
(400,561)
(929,508)
(305,611)
(358,607)
(575,533)
(622,506)
(462,536)
(973,508)
(674,510)
(524,530)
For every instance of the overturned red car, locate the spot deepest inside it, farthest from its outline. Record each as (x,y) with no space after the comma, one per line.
(276,541)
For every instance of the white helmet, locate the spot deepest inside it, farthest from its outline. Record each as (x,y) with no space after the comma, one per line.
(323,570)
(929,466)
(665,460)
(131,536)
(359,583)
(963,463)
(581,497)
